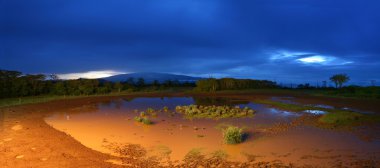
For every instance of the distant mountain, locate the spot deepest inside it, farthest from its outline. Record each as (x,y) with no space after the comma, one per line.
(149,77)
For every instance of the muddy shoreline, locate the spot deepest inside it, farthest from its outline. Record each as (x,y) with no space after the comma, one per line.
(27,141)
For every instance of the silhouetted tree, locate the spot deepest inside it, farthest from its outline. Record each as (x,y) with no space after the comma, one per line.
(339,79)
(208,85)
(212,84)
(118,86)
(140,82)
(131,81)
(156,83)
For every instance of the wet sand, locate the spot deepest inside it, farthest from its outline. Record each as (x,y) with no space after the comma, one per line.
(27,141)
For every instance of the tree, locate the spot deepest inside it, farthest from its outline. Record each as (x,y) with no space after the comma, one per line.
(140,82)
(59,88)
(118,86)
(208,85)
(339,79)
(156,83)
(131,81)
(8,80)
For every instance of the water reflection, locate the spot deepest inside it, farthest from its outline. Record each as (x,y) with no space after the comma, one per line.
(219,101)
(282,112)
(315,112)
(112,121)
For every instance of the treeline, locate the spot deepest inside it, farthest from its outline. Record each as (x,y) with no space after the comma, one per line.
(350,91)
(211,84)
(16,84)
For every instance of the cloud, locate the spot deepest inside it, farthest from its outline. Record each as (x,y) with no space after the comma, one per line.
(312,59)
(89,74)
(305,39)
(324,60)
(308,58)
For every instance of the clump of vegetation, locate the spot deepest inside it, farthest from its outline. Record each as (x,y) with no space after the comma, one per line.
(142,114)
(370,92)
(339,79)
(144,120)
(138,119)
(220,154)
(194,153)
(215,112)
(150,110)
(165,109)
(340,118)
(233,135)
(347,118)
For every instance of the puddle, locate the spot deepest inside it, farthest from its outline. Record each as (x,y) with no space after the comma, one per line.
(315,112)
(282,113)
(172,135)
(356,110)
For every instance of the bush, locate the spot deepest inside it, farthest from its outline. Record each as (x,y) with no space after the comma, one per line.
(144,120)
(150,110)
(233,135)
(138,119)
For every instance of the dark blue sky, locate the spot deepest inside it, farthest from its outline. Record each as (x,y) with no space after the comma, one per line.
(283,40)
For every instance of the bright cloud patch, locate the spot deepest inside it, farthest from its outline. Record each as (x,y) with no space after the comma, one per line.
(313,59)
(89,74)
(279,55)
(323,60)
(308,58)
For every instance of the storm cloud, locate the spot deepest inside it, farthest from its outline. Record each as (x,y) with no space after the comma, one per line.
(286,41)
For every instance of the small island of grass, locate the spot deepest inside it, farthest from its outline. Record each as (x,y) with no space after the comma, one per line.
(214,112)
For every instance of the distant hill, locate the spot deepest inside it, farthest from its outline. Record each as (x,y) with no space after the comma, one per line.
(149,77)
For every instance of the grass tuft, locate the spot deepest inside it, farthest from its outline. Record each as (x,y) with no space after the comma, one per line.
(233,135)
(144,120)
(347,118)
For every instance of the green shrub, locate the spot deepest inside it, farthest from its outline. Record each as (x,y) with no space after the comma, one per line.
(233,135)
(150,110)
(165,109)
(138,119)
(146,121)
